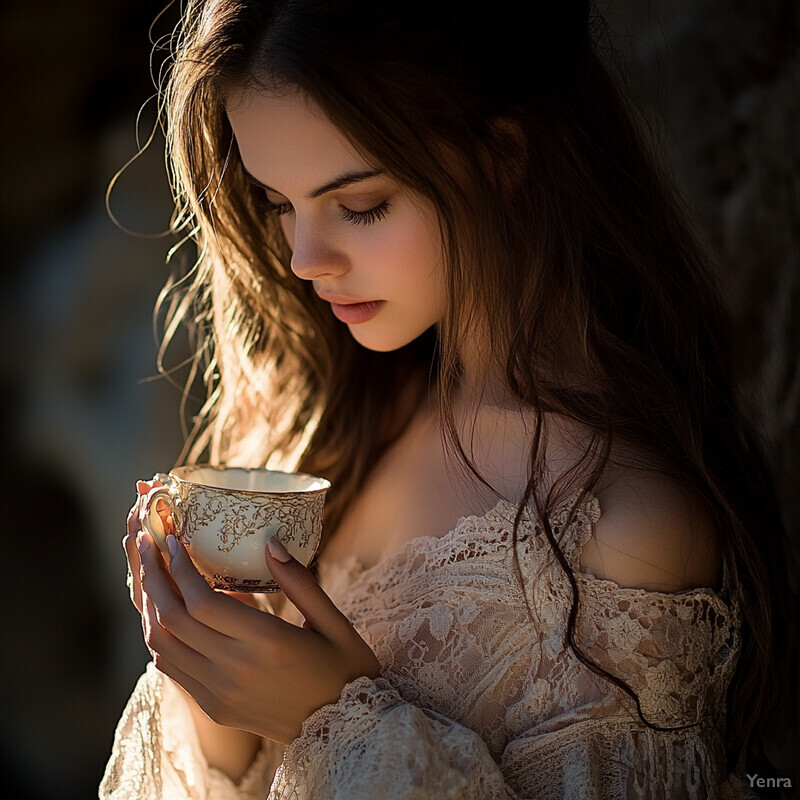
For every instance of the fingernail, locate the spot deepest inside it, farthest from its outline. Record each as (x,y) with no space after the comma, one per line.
(142,543)
(172,545)
(277,550)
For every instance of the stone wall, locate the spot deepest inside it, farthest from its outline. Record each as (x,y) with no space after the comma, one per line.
(720,79)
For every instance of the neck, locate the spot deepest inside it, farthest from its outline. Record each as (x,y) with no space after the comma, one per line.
(483,380)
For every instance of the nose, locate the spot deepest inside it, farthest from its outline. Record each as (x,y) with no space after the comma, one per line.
(314,254)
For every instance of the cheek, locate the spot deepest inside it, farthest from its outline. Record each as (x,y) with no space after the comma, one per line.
(424,263)
(416,251)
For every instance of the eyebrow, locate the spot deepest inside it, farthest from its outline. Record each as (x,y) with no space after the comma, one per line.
(345,179)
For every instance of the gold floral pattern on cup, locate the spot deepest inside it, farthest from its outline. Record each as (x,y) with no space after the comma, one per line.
(224,516)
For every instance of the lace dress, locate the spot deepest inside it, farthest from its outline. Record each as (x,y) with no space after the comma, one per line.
(475,698)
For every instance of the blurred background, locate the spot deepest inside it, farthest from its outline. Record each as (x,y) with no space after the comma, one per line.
(82,417)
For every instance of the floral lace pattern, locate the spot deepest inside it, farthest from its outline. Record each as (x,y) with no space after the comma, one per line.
(479,696)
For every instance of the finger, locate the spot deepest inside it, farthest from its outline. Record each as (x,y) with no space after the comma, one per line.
(215,610)
(170,607)
(194,688)
(166,648)
(134,581)
(134,524)
(302,588)
(256,601)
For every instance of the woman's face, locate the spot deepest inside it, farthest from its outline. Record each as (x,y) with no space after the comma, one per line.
(370,247)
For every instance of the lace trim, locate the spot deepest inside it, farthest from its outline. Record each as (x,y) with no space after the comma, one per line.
(571,539)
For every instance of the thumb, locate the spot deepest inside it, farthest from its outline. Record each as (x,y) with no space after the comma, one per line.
(303,590)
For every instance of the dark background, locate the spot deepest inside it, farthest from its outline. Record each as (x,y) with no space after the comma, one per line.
(80,418)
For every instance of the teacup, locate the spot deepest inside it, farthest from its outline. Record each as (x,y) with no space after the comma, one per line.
(224,516)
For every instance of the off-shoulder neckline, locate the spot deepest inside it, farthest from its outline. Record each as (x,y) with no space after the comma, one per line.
(588,507)
(355,567)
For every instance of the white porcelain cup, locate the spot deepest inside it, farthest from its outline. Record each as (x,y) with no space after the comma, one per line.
(224,516)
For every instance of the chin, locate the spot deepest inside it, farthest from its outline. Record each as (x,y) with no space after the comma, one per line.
(383,341)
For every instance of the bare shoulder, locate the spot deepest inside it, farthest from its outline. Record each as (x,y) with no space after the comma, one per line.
(653,533)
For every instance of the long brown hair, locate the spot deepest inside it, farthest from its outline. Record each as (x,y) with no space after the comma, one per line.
(561,237)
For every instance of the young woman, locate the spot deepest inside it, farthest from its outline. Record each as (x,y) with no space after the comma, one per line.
(438,267)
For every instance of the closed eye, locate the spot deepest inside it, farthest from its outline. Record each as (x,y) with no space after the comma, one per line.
(368,217)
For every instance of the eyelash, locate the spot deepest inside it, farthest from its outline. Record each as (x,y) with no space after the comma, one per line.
(368,217)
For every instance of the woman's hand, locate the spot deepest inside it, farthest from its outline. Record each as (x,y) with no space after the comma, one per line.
(134,525)
(246,668)
(227,749)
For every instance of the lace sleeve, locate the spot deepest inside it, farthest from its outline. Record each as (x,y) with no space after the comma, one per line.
(156,754)
(372,744)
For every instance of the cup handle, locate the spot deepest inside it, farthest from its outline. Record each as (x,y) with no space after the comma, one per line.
(150,519)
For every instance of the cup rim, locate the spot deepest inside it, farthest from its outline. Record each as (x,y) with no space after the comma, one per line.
(326,484)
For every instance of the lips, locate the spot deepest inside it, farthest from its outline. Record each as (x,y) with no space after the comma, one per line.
(356,313)
(352,311)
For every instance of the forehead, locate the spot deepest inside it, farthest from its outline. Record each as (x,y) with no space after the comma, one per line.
(287,142)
